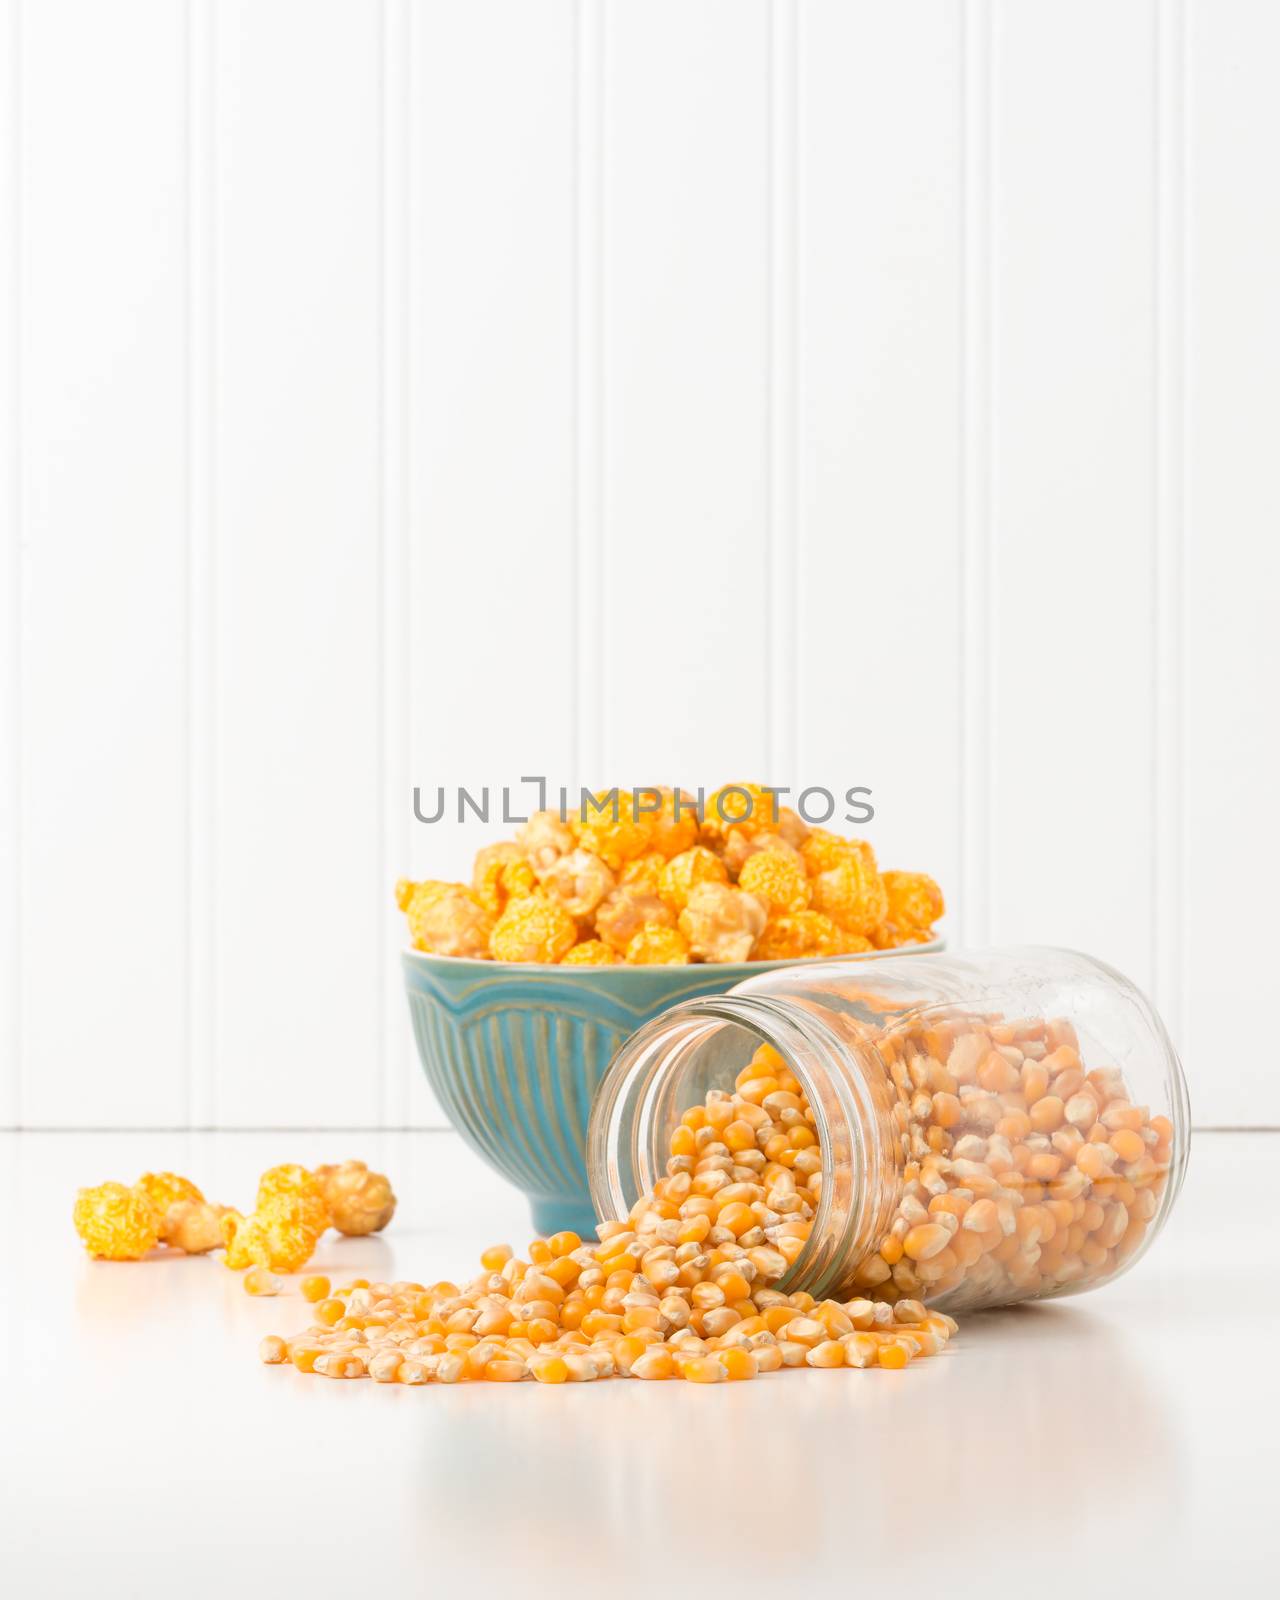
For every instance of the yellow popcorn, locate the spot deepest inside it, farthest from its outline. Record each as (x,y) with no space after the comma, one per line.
(721,923)
(790,936)
(655,946)
(777,879)
(626,912)
(450,924)
(502,872)
(593,881)
(534,928)
(115,1223)
(683,873)
(590,953)
(614,833)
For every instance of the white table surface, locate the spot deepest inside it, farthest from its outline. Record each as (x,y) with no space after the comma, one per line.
(1123,1441)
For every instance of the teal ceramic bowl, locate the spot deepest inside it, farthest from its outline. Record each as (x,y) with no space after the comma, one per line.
(515,1054)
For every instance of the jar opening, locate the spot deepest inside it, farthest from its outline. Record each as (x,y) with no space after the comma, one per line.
(669,1065)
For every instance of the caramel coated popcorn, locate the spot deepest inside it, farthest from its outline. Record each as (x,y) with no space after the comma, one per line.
(629,910)
(294,1208)
(659,876)
(194,1226)
(722,924)
(452,923)
(358,1201)
(579,881)
(544,839)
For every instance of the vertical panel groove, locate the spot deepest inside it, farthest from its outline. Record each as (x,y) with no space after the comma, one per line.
(781,527)
(588,664)
(393,552)
(1168,256)
(299,473)
(201,1008)
(977,445)
(11,886)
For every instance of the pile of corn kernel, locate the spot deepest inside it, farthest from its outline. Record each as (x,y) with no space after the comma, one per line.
(682,1289)
(1019,1171)
(294,1208)
(654,879)
(1024,1170)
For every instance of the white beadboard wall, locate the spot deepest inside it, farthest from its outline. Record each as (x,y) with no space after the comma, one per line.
(630,390)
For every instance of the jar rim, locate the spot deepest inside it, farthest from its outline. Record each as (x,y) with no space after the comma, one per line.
(811,1054)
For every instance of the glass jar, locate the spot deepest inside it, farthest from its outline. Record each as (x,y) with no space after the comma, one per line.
(993,1126)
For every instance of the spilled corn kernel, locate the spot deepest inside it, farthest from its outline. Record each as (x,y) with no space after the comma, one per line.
(683,1287)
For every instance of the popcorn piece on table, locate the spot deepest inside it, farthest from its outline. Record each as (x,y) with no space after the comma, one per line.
(278,1235)
(301,1185)
(358,1201)
(194,1226)
(115,1223)
(163,1189)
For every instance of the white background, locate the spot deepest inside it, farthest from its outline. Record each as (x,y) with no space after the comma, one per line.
(824,391)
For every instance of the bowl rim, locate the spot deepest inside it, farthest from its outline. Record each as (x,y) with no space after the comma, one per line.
(634,973)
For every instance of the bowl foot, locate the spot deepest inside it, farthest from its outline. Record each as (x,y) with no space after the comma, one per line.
(556,1213)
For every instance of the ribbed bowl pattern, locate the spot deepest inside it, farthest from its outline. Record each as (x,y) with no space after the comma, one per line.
(515,1055)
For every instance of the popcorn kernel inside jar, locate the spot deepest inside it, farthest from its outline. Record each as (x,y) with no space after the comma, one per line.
(1026,1169)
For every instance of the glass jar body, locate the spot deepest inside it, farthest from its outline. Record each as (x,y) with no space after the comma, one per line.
(993,1127)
